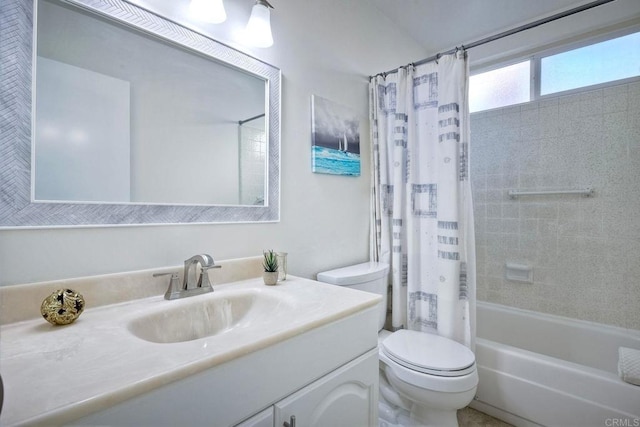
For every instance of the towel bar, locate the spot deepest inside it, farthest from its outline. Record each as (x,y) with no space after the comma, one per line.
(586,192)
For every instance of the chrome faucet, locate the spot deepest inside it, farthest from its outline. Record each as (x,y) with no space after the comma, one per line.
(189,285)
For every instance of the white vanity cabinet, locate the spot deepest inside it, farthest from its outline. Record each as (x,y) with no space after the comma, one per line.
(326,376)
(346,397)
(261,419)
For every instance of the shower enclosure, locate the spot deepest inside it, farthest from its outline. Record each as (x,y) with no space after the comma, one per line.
(252,148)
(582,251)
(559,270)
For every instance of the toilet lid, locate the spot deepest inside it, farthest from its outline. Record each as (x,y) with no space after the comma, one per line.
(429,353)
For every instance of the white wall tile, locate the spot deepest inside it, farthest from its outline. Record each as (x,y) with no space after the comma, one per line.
(615,102)
(591,95)
(580,248)
(528,226)
(634,96)
(511,119)
(494,210)
(494,225)
(494,182)
(530,132)
(511,210)
(569,99)
(510,225)
(548,102)
(615,90)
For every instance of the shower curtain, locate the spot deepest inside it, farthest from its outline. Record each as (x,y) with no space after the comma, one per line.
(422,216)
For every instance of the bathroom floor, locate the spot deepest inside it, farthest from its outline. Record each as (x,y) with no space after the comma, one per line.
(469,417)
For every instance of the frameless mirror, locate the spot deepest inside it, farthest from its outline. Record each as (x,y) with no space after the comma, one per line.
(139,120)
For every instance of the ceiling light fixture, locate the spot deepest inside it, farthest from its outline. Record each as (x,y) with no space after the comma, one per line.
(211,11)
(258,31)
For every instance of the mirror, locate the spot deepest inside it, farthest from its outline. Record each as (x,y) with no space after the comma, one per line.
(139,120)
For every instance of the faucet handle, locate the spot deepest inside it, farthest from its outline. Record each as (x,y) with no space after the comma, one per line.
(174,284)
(204,277)
(172,273)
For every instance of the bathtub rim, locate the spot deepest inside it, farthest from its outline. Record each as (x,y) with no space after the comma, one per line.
(608,381)
(567,321)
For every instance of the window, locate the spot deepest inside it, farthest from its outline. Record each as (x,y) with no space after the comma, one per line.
(614,59)
(498,88)
(598,63)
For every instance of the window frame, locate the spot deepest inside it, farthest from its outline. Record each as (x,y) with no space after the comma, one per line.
(535,62)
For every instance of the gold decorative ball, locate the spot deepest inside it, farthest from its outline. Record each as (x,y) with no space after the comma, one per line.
(62,307)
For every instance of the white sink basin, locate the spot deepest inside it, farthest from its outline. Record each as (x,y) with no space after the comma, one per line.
(204,316)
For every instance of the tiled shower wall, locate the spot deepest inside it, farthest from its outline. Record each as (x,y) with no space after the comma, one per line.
(584,251)
(253,148)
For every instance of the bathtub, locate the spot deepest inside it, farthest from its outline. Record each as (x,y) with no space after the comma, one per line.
(540,369)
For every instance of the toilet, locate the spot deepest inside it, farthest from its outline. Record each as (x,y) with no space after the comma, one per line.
(424,378)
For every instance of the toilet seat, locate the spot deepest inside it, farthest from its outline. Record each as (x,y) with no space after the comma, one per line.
(429,353)
(431,382)
(405,355)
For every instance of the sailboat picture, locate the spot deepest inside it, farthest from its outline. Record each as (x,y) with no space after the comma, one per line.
(344,144)
(335,138)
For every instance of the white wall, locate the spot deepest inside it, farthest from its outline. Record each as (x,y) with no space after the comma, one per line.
(326,48)
(80,155)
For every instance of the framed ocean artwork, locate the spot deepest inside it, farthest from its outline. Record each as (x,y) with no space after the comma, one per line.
(335,134)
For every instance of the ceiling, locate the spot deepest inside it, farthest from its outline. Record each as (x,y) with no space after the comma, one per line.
(436,25)
(429,22)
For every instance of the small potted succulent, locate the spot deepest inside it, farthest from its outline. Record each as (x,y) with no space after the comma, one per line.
(270,264)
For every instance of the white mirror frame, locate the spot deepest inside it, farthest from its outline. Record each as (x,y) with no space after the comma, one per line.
(16,56)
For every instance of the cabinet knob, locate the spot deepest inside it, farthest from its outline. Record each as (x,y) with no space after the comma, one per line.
(291,423)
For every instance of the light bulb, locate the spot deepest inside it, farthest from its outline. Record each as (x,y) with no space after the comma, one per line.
(208,11)
(258,32)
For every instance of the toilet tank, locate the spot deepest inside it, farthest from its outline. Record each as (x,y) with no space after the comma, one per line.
(369,277)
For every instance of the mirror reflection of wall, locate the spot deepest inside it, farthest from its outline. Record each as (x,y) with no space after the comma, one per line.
(252,147)
(81,142)
(172,136)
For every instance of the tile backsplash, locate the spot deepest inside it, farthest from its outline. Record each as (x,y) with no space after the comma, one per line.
(584,251)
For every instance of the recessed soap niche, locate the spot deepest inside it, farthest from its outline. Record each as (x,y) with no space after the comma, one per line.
(519,272)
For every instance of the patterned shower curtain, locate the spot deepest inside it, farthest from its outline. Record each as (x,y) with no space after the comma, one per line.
(422,217)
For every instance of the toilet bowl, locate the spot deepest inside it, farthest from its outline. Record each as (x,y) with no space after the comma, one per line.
(424,378)
(436,375)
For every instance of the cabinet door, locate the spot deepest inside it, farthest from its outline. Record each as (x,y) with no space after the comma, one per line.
(345,397)
(261,419)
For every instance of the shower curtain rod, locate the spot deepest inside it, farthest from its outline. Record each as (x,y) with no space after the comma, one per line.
(504,34)
(241,122)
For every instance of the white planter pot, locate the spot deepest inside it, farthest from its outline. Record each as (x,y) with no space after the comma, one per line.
(270,277)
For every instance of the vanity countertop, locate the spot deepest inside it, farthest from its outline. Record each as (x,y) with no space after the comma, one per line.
(55,374)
